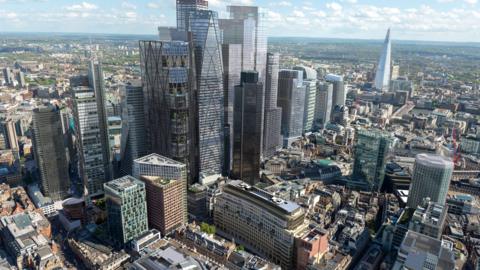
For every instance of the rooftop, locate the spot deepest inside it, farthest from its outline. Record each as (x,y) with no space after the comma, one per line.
(123,183)
(436,161)
(156,159)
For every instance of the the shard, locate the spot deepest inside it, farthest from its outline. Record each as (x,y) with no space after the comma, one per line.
(382,76)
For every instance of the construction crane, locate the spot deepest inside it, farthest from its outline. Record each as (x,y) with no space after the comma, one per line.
(456,152)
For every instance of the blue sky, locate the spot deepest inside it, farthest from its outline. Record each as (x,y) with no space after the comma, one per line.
(439,20)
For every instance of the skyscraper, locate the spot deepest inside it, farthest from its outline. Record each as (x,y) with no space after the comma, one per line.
(245,26)
(310,82)
(232,68)
(291,98)
(323,107)
(339,93)
(382,75)
(248,128)
(166,187)
(91,130)
(126,209)
(272,140)
(371,150)
(184,8)
(431,178)
(206,40)
(50,154)
(168,86)
(133,143)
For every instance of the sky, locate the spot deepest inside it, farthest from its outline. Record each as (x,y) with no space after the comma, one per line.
(432,20)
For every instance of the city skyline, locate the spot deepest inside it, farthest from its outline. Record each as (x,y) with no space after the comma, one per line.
(430,20)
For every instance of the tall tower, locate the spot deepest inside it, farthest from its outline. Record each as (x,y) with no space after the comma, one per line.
(248,128)
(323,108)
(133,143)
(50,154)
(272,139)
(339,93)
(167,76)
(206,41)
(91,130)
(310,82)
(184,8)
(431,178)
(291,98)
(384,68)
(371,150)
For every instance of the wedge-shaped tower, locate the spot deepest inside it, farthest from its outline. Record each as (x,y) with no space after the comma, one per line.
(384,68)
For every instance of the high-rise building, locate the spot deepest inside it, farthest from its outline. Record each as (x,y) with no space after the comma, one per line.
(232,68)
(168,82)
(371,150)
(272,139)
(260,221)
(430,178)
(166,186)
(133,143)
(96,81)
(245,26)
(384,67)
(206,41)
(8,135)
(126,209)
(429,218)
(339,93)
(248,128)
(323,107)
(50,154)
(184,8)
(91,130)
(291,98)
(310,82)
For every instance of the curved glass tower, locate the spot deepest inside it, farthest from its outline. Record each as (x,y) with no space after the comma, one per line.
(382,76)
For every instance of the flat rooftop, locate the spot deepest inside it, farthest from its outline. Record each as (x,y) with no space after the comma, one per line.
(123,183)
(156,159)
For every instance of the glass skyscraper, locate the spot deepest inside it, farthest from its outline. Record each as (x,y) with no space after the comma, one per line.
(272,139)
(384,66)
(370,151)
(206,41)
(310,82)
(291,98)
(248,128)
(184,8)
(323,107)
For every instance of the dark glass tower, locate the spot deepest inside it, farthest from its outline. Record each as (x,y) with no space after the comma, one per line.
(248,128)
(184,8)
(272,140)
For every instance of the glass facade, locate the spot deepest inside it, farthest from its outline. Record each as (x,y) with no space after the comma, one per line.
(210,100)
(323,108)
(126,209)
(184,8)
(273,114)
(371,150)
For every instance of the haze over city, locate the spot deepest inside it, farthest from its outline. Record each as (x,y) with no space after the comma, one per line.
(432,20)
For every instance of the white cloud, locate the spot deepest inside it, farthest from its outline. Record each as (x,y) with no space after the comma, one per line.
(334,6)
(82,6)
(153,5)
(128,5)
(298,13)
(471,2)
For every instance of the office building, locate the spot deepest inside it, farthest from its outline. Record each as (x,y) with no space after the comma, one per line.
(248,128)
(370,151)
(384,66)
(133,137)
(91,129)
(232,67)
(429,218)
(260,221)
(310,83)
(8,135)
(184,8)
(167,76)
(166,188)
(291,98)
(126,209)
(245,26)
(272,139)
(339,93)
(419,251)
(323,106)
(50,152)
(430,178)
(206,40)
